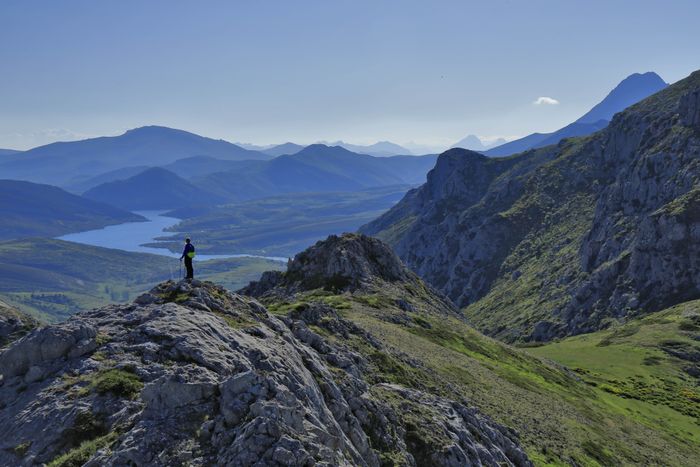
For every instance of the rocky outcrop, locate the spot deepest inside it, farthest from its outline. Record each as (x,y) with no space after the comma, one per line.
(13,324)
(193,374)
(568,238)
(338,263)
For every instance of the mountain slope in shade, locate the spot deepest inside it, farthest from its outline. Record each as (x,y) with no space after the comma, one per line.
(154,188)
(198,166)
(33,210)
(7,152)
(61,163)
(85,183)
(629,91)
(564,239)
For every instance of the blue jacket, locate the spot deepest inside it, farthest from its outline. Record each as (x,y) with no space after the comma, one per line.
(189,248)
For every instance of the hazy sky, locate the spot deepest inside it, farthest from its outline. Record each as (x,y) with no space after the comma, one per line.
(273,71)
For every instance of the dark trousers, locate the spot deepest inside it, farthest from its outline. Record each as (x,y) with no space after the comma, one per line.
(188,265)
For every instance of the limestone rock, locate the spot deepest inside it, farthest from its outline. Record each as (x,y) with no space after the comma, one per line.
(193,374)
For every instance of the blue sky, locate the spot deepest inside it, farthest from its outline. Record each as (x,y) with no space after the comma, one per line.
(361,71)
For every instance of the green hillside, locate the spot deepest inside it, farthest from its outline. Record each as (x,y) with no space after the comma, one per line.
(53,279)
(648,368)
(33,210)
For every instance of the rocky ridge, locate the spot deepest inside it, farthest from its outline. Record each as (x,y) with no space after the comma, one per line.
(193,374)
(569,238)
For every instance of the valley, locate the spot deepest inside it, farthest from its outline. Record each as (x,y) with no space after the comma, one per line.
(536,302)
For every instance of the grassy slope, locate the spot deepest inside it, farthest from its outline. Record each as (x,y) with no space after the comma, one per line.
(632,367)
(560,418)
(53,279)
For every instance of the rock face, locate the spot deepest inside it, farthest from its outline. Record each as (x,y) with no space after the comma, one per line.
(193,374)
(567,238)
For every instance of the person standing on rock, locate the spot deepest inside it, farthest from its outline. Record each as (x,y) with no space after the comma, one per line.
(188,256)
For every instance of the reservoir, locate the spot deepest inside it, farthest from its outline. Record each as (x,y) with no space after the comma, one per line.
(131,236)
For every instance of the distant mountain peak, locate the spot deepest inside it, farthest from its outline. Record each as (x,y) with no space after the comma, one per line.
(474,143)
(629,91)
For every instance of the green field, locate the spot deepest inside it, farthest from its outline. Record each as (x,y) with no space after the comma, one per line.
(52,279)
(647,369)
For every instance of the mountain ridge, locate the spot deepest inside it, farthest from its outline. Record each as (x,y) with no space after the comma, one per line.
(58,163)
(600,209)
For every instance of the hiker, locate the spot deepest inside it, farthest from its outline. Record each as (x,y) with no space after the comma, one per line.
(188,254)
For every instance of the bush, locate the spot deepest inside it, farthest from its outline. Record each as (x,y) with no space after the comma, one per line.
(118,382)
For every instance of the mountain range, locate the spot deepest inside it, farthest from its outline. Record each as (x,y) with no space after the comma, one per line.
(206,180)
(70,163)
(564,239)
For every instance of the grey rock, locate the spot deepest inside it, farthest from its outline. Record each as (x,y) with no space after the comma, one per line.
(188,387)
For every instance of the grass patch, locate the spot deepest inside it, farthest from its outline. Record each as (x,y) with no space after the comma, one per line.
(599,453)
(83,453)
(21,449)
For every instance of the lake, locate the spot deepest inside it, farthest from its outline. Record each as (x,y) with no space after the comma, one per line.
(131,236)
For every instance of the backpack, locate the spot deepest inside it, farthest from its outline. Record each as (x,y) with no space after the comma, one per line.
(191,254)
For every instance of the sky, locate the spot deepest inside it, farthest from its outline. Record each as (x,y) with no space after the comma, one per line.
(265,71)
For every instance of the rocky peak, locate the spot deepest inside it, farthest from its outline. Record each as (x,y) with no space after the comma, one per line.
(339,263)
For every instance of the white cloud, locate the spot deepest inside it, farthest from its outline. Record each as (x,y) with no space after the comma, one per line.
(544,100)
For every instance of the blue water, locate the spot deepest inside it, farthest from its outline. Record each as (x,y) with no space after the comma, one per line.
(131,236)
